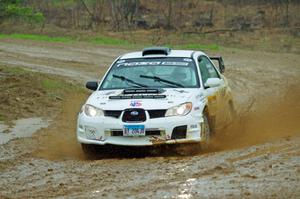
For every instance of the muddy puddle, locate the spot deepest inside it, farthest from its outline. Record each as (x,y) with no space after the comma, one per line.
(21,128)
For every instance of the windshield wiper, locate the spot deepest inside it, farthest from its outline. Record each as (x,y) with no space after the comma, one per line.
(129,80)
(162,80)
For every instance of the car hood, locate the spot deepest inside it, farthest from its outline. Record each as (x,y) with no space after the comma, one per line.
(174,96)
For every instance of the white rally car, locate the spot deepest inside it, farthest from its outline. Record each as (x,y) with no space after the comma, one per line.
(155,96)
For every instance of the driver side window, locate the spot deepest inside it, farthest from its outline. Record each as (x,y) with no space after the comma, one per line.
(207,70)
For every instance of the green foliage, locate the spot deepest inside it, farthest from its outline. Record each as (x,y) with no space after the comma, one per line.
(13,9)
(24,13)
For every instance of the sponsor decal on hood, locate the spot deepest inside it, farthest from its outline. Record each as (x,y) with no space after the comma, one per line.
(135,103)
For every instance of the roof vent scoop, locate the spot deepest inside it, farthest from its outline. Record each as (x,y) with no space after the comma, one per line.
(156,51)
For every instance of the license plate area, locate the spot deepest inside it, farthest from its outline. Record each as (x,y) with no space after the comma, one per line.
(134,130)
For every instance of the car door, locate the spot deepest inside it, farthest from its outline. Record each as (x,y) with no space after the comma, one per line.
(213,94)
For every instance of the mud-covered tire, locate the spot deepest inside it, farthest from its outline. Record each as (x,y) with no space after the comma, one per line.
(89,150)
(205,131)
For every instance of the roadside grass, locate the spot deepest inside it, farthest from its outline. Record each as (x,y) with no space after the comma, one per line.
(13,70)
(26,93)
(2,118)
(100,40)
(56,88)
(46,81)
(103,40)
(111,41)
(50,85)
(36,37)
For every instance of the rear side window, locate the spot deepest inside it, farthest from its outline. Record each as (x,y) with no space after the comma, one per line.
(207,69)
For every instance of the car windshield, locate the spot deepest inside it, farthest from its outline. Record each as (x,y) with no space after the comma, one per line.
(169,72)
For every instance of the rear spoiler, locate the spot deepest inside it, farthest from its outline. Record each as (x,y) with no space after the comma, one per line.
(220,62)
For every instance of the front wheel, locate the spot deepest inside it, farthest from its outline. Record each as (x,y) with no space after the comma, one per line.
(89,150)
(205,131)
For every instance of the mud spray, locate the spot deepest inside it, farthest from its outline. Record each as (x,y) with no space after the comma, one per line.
(59,140)
(266,119)
(263,120)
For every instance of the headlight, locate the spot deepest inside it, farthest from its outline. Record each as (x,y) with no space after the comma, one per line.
(91,111)
(182,109)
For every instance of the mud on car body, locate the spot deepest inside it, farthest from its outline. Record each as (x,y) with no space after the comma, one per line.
(155,96)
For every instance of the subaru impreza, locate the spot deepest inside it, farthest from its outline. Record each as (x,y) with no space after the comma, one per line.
(155,96)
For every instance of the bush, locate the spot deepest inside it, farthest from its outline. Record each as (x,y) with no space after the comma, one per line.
(17,12)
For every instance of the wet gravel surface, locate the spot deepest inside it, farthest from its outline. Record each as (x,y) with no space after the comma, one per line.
(258,156)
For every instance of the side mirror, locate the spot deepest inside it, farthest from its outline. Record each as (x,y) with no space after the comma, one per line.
(92,85)
(213,82)
(220,61)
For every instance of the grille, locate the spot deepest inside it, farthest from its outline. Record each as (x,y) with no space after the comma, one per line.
(112,113)
(152,113)
(153,132)
(157,113)
(148,132)
(134,115)
(148,96)
(116,133)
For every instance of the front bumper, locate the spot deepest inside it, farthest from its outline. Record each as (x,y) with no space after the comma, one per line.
(99,130)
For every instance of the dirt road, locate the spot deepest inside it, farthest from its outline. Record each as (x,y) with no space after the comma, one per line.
(257,156)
